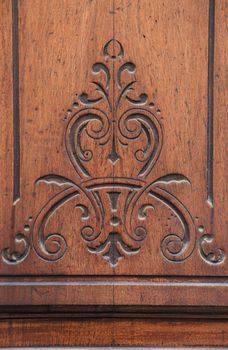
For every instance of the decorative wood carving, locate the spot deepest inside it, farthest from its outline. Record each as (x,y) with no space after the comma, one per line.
(114,119)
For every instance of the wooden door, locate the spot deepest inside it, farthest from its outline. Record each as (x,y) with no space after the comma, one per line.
(113,157)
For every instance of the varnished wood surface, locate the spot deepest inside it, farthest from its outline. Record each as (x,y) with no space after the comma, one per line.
(6,105)
(117,332)
(220,121)
(109,292)
(176,51)
(134,194)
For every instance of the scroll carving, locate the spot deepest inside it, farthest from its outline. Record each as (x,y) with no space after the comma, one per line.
(112,124)
(113,119)
(20,254)
(215,257)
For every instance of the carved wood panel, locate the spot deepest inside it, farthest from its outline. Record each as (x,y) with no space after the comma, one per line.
(111,145)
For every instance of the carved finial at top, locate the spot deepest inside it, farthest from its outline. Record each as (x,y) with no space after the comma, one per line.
(117,50)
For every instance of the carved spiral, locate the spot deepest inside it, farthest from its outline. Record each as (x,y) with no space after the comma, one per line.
(89,234)
(96,125)
(52,246)
(214,257)
(135,123)
(139,233)
(172,246)
(16,257)
(176,247)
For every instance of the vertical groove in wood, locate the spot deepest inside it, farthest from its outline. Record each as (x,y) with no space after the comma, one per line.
(6,128)
(210,141)
(16,113)
(54,63)
(113,102)
(113,169)
(220,127)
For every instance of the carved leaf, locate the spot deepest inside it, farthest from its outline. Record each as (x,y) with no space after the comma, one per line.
(56,180)
(172,178)
(133,124)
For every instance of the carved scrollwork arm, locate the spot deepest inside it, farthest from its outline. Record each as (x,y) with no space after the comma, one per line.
(17,256)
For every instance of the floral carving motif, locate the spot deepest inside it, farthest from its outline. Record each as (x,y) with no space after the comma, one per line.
(120,121)
(115,122)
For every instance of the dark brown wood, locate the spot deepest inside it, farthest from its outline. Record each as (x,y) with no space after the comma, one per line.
(109,292)
(117,332)
(109,145)
(113,158)
(6,103)
(220,154)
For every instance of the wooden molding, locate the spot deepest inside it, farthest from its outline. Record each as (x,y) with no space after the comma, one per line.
(108,291)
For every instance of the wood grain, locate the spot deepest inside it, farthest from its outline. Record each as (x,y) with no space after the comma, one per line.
(175,78)
(6,140)
(54,68)
(109,142)
(90,188)
(109,292)
(220,130)
(113,332)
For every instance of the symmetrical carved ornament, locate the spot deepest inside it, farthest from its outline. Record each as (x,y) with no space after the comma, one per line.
(114,122)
